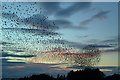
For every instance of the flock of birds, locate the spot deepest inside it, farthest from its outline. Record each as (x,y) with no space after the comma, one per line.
(25,25)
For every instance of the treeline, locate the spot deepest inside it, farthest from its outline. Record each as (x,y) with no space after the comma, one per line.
(86,74)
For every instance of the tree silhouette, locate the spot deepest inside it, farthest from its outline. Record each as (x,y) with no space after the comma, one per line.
(113,77)
(92,74)
(38,77)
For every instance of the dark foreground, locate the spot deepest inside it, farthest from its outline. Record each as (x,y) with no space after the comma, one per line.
(86,74)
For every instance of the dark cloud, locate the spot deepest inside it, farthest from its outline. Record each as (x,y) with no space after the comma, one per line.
(101,15)
(64,42)
(111,50)
(34,31)
(66,24)
(17,62)
(103,46)
(86,36)
(101,67)
(62,22)
(40,22)
(37,21)
(76,7)
(54,67)
(73,44)
(76,67)
(110,41)
(5,62)
(6,43)
(42,64)
(86,22)
(50,7)
(5,54)
(106,67)
(17,50)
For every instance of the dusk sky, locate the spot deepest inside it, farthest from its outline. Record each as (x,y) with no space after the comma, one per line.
(49,37)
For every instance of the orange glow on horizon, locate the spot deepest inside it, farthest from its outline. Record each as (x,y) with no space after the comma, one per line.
(69,69)
(13,67)
(20,66)
(66,69)
(105,69)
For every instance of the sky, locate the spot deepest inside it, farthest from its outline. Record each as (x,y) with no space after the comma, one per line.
(56,37)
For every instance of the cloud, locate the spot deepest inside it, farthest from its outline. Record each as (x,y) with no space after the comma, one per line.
(40,22)
(5,54)
(5,62)
(76,7)
(33,31)
(17,50)
(111,50)
(100,67)
(101,16)
(15,63)
(110,41)
(31,14)
(6,43)
(73,44)
(41,64)
(37,21)
(50,7)
(66,24)
(106,67)
(54,7)
(103,46)
(62,22)
(64,42)
(70,44)
(86,22)
(86,36)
